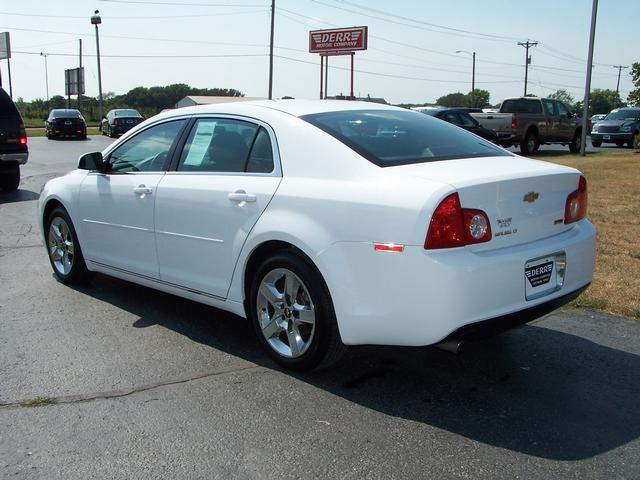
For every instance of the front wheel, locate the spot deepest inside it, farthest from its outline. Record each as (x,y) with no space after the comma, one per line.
(596,143)
(620,144)
(292,313)
(64,249)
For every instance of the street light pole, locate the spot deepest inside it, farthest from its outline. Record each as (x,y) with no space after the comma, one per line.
(473,74)
(273,13)
(46,75)
(96,20)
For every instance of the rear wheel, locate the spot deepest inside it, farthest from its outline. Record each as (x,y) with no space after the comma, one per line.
(10,177)
(596,143)
(576,143)
(530,143)
(292,313)
(64,249)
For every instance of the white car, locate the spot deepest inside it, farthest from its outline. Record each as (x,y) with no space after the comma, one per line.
(326,224)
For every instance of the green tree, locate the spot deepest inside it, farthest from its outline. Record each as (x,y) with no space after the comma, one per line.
(457,99)
(565,97)
(479,98)
(603,101)
(634,95)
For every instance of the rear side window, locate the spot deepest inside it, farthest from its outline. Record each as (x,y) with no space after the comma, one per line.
(521,105)
(7,107)
(397,137)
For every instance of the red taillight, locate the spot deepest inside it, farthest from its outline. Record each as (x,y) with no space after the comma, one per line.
(514,122)
(23,139)
(115,122)
(454,226)
(576,207)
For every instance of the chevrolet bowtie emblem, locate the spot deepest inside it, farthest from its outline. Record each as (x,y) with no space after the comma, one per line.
(531,197)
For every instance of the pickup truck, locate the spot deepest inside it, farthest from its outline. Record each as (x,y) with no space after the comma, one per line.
(530,122)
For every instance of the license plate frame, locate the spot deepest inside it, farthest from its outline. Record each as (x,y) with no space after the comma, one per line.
(544,275)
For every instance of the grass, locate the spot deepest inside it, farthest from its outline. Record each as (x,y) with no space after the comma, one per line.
(39,402)
(614,199)
(40,132)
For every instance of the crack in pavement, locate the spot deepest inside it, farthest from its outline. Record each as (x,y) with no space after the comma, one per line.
(84,398)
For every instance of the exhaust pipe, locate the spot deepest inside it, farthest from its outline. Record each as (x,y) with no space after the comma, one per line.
(453,345)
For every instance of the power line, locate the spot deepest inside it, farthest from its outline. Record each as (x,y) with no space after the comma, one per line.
(239,55)
(145,17)
(182,4)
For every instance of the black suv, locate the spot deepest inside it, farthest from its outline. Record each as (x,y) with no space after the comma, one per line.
(13,143)
(620,126)
(119,121)
(65,122)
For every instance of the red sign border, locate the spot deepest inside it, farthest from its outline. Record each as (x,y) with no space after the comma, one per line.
(365,41)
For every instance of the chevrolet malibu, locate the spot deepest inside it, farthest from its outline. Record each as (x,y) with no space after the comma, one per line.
(326,224)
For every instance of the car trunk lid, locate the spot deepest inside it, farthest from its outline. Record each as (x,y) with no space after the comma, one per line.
(524,199)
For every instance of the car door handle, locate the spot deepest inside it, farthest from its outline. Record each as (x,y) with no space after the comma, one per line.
(242,196)
(142,190)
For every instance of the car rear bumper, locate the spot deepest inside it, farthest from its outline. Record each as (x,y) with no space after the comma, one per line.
(421,297)
(20,157)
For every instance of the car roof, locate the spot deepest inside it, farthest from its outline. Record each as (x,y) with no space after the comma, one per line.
(296,107)
(65,110)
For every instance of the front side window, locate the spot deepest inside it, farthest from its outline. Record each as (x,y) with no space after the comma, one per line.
(562,110)
(550,106)
(226,145)
(398,137)
(147,151)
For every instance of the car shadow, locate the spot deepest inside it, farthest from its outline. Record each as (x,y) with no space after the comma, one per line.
(17,196)
(532,390)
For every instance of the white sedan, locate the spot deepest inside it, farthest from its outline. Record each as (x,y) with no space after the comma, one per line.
(326,224)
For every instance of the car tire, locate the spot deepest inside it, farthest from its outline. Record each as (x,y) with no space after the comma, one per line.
(620,144)
(63,249)
(596,143)
(530,144)
(576,143)
(110,133)
(284,290)
(10,177)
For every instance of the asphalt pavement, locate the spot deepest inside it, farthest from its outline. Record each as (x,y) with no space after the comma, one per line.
(118,381)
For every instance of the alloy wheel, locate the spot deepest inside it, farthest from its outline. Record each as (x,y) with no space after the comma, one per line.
(286,314)
(61,246)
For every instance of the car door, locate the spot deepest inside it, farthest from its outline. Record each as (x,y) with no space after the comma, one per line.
(553,124)
(224,178)
(116,208)
(566,123)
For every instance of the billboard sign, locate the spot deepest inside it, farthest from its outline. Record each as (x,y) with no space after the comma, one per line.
(74,81)
(5,46)
(338,40)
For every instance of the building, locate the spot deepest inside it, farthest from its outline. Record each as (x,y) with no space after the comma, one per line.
(192,100)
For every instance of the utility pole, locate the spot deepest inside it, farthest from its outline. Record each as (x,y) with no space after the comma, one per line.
(527,60)
(587,88)
(619,67)
(473,75)
(273,13)
(80,80)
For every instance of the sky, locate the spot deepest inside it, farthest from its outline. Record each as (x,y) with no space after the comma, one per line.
(411,56)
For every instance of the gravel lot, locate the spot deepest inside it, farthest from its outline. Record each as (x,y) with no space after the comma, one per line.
(134,383)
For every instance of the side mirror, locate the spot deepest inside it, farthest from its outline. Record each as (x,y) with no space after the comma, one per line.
(92,161)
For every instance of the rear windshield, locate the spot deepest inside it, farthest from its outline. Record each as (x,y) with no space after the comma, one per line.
(394,137)
(624,115)
(521,105)
(7,107)
(126,113)
(66,113)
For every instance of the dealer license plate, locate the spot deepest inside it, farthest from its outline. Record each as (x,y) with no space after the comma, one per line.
(606,137)
(540,277)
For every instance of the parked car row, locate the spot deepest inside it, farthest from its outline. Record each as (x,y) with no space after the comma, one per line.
(69,123)
(621,126)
